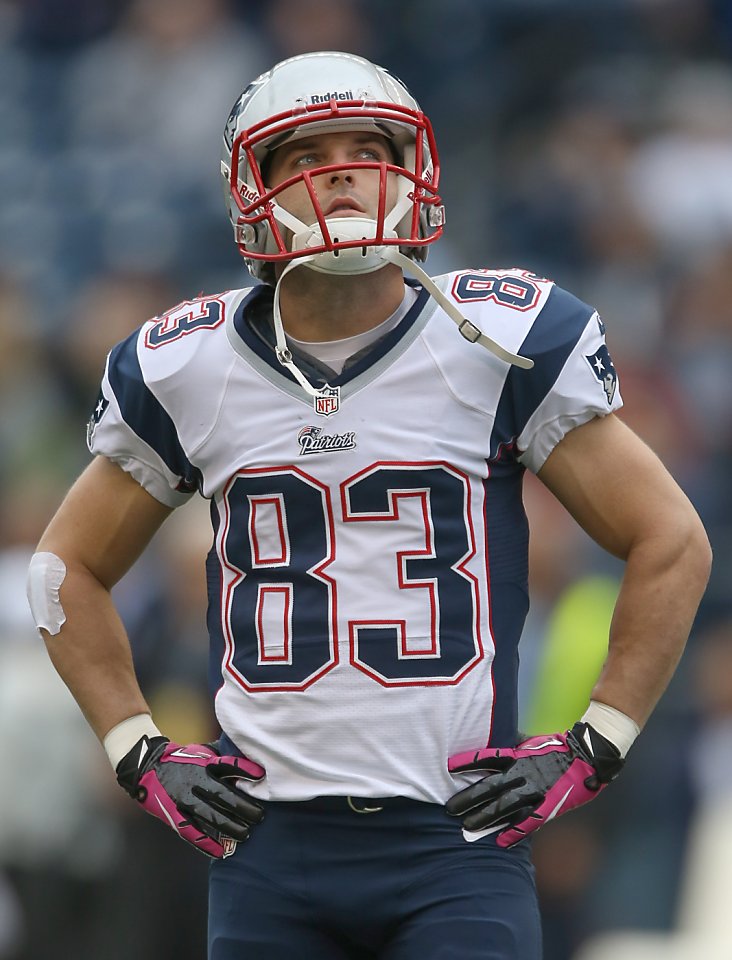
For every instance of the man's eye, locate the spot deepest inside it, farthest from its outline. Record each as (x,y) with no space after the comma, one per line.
(306,160)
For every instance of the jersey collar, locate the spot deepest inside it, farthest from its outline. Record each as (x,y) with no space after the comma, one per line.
(251,334)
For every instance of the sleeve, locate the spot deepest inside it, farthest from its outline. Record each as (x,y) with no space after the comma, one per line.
(130,426)
(573,379)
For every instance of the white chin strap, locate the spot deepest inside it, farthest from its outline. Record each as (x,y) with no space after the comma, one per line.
(282,351)
(466,328)
(357,260)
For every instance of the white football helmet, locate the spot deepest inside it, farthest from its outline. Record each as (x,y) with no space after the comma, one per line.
(331,92)
(326,92)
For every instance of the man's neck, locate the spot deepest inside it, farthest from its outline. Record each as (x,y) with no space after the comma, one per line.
(318,306)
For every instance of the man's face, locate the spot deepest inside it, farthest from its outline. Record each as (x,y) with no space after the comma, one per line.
(341,193)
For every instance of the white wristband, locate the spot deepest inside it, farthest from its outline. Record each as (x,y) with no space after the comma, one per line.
(615,726)
(122,737)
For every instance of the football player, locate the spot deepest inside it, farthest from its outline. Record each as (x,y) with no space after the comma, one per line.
(361,431)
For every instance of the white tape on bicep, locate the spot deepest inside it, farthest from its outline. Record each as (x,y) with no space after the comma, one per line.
(46,573)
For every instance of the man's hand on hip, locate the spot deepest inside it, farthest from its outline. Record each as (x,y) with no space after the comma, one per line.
(193,789)
(528,785)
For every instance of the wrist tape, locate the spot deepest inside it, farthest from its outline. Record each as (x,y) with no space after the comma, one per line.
(122,737)
(612,724)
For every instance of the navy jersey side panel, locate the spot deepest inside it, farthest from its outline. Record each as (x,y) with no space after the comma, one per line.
(550,341)
(508,571)
(213,612)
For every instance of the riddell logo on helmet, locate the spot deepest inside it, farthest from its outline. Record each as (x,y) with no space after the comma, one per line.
(326,97)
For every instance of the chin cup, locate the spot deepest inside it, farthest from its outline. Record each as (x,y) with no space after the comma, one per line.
(344,260)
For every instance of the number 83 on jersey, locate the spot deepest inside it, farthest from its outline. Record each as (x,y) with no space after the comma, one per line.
(384,570)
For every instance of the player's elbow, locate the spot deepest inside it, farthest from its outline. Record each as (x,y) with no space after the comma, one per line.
(698,551)
(672,544)
(689,550)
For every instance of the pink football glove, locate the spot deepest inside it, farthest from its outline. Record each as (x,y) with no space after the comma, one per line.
(528,785)
(194,790)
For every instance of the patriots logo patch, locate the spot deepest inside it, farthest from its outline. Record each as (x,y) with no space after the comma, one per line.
(99,411)
(313,440)
(604,370)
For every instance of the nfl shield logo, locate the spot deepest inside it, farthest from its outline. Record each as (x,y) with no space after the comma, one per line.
(327,401)
(228,846)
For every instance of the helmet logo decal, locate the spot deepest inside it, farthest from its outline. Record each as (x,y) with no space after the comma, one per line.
(238,108)
(248,194)
(327,401)
(327,97)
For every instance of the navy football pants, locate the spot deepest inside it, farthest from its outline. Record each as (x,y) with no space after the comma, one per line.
(317,881)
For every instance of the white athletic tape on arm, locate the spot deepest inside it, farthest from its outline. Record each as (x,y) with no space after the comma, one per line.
(122,738)
(46,573)
(617,727)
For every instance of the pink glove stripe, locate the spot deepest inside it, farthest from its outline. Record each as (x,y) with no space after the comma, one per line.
(566,794)
(533,747)
(199,755)
(160,805)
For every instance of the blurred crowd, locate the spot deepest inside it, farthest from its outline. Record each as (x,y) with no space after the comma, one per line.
(588,142)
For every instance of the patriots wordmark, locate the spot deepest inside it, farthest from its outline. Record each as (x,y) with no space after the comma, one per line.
(313,440)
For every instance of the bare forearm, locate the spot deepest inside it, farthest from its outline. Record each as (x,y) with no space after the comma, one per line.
(662,587)
(101,528)
(636,511)
(92,654)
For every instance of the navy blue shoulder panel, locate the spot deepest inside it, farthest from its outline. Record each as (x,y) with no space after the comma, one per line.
(549,343)
(144,414)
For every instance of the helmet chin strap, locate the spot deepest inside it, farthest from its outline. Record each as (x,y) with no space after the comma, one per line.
(380,256)
(350,261)
(468,330)
(282,351)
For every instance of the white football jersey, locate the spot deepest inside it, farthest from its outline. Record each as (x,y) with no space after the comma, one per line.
(368,577)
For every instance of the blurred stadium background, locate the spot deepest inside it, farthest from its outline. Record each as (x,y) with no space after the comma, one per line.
(588,141)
